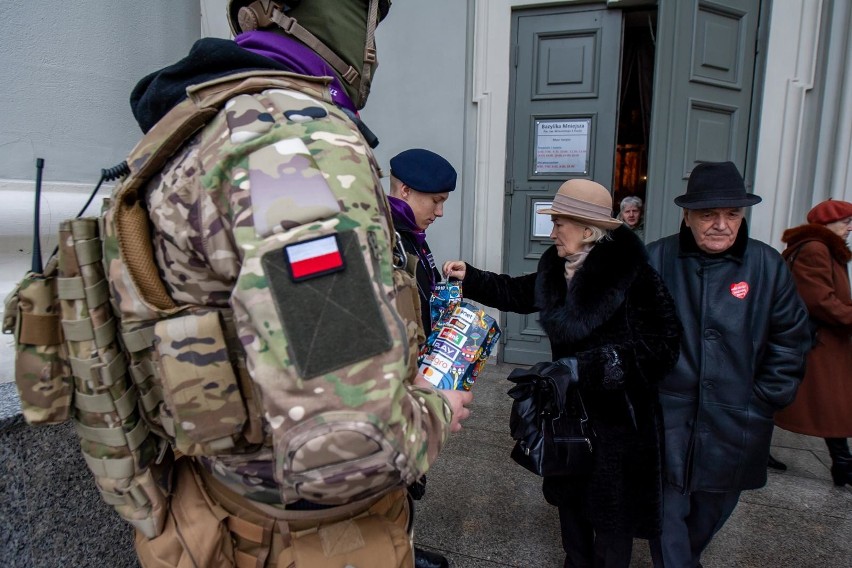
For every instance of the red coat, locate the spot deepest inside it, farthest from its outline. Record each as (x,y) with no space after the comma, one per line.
(823,405)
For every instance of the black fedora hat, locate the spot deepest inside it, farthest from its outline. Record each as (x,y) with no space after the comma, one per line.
(716,184)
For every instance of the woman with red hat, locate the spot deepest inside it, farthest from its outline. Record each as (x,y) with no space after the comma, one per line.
(817,254)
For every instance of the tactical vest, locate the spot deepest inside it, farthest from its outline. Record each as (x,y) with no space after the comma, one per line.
(145,378)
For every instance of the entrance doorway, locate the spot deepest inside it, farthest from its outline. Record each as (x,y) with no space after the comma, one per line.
(633,131)
(631,98)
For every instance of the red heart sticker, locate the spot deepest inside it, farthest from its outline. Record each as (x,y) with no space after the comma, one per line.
(739,290)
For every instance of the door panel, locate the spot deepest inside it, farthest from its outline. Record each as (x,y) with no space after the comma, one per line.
(562,125)
(702,98)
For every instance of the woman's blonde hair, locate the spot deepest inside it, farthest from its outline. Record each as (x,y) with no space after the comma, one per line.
(597,235)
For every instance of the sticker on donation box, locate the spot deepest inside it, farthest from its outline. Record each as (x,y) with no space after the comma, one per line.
(316,257)
(562,146)
(452,336)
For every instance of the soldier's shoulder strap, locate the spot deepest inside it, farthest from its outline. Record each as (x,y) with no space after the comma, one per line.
(203,102)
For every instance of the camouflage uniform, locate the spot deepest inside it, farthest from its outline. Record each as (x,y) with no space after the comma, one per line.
(208,207)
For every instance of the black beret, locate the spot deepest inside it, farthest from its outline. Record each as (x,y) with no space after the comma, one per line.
(423,171)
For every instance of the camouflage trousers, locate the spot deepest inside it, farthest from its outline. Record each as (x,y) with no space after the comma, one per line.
(211,526)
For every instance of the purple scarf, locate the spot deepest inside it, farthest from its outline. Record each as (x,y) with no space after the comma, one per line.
(403,219)
(300,58)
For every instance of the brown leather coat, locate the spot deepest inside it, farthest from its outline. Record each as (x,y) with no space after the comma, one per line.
(823,405)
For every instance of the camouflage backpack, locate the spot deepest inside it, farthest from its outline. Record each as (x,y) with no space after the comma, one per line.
(322,317)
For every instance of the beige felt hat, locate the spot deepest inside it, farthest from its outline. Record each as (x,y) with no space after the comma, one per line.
(584,200)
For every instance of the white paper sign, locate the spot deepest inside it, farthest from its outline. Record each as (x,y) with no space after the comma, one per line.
(562,146)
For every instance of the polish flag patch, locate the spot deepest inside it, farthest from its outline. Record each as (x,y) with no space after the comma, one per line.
(315,257)
(739,290)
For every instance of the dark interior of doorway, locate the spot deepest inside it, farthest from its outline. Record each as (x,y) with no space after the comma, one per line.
(634,112)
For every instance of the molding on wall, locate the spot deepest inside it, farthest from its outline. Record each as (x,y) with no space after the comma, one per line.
(834,143)
(794,36)
(490,94)
(213,20)
(59,200)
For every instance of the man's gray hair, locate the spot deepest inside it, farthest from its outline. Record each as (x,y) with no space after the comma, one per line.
(630,200)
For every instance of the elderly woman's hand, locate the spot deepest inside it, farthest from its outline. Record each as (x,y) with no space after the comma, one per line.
(455,269)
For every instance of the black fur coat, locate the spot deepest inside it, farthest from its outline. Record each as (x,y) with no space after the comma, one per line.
(619,321)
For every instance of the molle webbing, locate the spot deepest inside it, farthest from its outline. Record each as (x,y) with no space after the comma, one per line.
(114,438)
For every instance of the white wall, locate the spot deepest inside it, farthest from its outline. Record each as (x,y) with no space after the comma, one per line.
(804,151)
(418,99)
(68,69)
(67,73)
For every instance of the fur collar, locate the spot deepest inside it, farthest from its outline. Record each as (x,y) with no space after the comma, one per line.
(798,236)
(596,291)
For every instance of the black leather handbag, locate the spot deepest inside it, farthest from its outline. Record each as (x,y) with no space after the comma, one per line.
(549,422)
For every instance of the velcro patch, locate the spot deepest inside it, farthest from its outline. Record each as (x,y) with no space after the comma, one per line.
(333,320)
(340,538)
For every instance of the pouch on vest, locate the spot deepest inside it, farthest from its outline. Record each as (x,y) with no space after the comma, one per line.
(201,389)
(195,534)
(370,540)
(42,375)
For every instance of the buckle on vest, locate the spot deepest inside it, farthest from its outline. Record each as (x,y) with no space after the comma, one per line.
(350,76)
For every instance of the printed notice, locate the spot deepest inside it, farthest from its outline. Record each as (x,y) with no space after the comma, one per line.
(562,146)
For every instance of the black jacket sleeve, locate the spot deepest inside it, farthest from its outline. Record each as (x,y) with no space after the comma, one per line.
(782,366)
(501,291)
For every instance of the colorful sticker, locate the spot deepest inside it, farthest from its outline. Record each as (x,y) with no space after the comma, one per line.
(465,315)
(446,349)
(453,336)
(458,324)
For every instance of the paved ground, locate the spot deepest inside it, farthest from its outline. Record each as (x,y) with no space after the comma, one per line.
(484,511)
(481,509)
